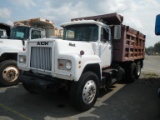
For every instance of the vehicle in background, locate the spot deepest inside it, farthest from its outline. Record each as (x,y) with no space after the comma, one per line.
(95,52)
(157,25)
(157,32)
(3,33)
(4,30)
(48,27)
(18,35)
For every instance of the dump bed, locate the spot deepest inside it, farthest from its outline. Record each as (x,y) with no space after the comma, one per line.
(109,19)
(131,46)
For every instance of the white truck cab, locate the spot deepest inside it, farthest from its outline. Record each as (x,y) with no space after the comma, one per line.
(10,46)
(82,45)
(14,39)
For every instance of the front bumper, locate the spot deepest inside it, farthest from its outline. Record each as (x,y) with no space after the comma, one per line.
(43,82)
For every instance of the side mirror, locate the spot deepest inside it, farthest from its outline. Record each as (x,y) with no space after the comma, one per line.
(117,32)
(157,25)
(43,33)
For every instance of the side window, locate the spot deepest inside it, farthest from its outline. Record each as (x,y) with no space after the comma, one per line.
(35,34)
(104,35)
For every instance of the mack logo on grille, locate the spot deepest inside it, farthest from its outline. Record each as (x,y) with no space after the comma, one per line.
(42,43)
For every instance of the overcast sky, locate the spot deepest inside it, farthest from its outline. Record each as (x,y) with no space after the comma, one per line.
(139,14)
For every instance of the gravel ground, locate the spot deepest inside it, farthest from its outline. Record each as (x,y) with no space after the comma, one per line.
(136,101)
(151,64)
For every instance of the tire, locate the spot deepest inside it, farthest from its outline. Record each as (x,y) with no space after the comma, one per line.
(79,92)
(121,75)
(9,73)
(159,92)
(29,88)
(138,70)
(130,76)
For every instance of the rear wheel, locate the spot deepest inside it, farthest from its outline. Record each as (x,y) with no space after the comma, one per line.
(83,94)
(9,73)
(138,70)
(131,70)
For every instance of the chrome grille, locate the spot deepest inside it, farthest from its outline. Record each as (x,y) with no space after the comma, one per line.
(41,58)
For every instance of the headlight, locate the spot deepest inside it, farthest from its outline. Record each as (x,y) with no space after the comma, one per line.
(64,64)
(68,65)
(22,58)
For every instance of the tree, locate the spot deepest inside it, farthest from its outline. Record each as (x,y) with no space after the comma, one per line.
(150,50)
(157,47)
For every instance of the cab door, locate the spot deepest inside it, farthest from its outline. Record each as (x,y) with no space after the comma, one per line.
(105,47)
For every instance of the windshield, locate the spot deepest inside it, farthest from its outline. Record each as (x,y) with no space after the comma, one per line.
(21,33)
(82,32)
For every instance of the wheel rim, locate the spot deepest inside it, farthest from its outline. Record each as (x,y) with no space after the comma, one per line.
(89,92)
(10,74)
(138,69)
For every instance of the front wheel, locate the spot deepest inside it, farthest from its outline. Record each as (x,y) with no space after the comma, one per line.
(84,93)
(9,73)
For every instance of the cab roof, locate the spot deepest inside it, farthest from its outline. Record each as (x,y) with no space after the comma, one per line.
(82,22)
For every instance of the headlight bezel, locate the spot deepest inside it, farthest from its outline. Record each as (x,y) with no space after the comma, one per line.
(22,59)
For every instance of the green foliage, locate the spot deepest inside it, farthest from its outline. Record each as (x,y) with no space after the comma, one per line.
(150,50)
(153,50)
(157,47)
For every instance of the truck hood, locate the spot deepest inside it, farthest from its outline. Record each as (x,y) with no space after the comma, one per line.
(74,47)
(11,45)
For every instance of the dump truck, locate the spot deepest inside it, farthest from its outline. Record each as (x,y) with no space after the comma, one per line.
(15,41)
(95,53)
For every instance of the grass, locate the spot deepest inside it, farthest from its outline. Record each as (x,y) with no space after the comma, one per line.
(150,75)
